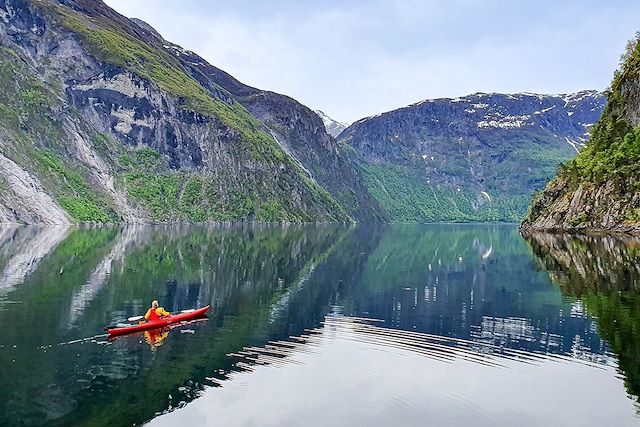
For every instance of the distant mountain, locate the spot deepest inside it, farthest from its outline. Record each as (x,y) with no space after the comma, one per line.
(478,157)
(334,127)
(600,188)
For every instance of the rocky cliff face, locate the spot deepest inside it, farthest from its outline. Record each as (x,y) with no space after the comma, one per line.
(103,120)
(478,157)
(566,205)
(600,188)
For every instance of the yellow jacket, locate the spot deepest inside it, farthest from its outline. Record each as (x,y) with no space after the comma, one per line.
(160,312)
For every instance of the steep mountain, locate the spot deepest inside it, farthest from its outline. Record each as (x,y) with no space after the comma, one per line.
(478,157)
(298,131)
(600,188)
(103,120)
(334,127)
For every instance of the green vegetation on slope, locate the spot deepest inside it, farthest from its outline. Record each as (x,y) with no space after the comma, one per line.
(408,197)
(489,180)
(599,187)
(75,196)
(613,151)
(170,195)
(111,43)
(270,186)
(25,103)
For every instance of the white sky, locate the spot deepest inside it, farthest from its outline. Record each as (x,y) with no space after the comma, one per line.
(361,57)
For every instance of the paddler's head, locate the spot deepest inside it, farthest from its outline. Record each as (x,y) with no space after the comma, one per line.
(154,304)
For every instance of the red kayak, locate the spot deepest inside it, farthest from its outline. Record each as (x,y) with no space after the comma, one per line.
(174,318)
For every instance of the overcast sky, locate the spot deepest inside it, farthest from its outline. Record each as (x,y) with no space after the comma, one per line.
(357,58)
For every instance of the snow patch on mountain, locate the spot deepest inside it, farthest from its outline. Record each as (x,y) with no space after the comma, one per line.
(333,127)
(507,122)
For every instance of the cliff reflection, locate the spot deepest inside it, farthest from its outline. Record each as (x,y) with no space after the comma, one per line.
(603,272)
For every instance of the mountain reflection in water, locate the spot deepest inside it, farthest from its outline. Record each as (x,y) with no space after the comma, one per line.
(451,323)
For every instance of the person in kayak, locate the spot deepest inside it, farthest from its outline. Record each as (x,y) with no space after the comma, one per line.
(155,312)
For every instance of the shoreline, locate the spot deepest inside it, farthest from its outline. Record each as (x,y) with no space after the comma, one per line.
(631,230)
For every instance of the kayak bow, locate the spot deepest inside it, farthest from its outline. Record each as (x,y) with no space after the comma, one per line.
(174,318)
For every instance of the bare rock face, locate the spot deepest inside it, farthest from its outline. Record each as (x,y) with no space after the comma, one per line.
(630,90)
(585,207)
(26,199)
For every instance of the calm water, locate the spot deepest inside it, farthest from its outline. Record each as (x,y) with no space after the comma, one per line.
(328,325)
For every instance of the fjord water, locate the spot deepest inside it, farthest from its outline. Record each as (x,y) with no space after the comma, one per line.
(315,325)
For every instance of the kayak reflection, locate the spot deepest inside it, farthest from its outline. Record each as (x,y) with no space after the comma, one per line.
(155,337)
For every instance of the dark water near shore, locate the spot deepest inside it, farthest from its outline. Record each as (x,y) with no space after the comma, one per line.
(327,325)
